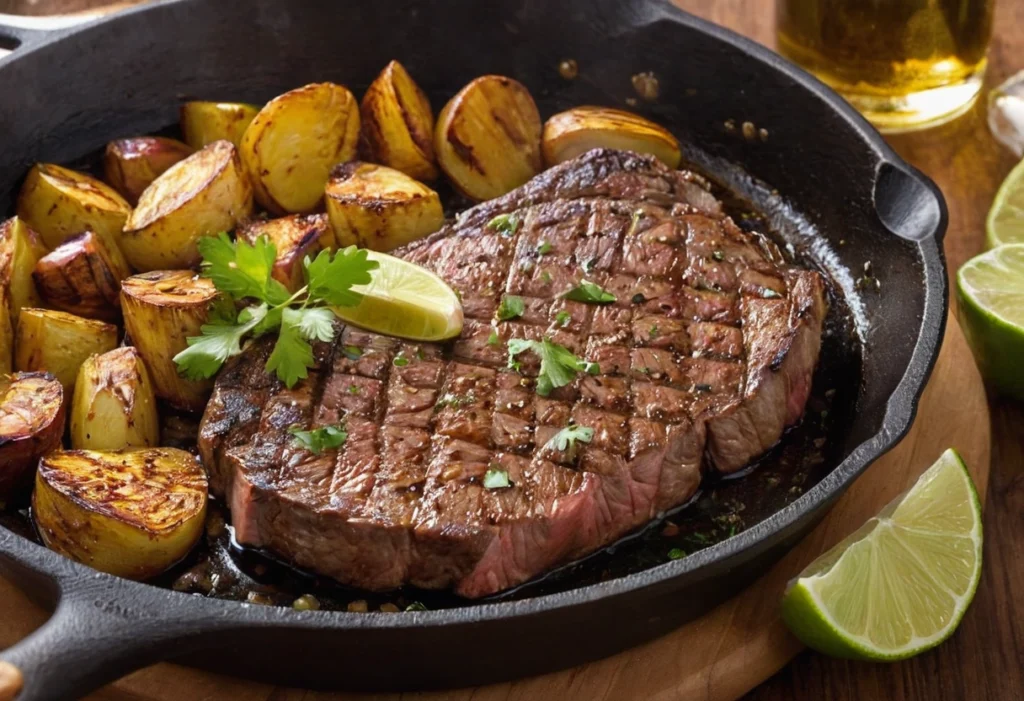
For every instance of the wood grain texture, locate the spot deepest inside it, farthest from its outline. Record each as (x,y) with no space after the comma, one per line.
(723,655)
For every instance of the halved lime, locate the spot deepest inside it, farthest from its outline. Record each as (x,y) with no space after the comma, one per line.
(1005,223)
(990,290)
(405,300)
(901,583)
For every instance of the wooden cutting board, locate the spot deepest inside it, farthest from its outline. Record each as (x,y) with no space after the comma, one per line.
(721,656)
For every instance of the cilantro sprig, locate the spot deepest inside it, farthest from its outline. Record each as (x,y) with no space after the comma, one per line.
(591,292)
(242,271)
(565,440)
(558,365)
(319,439)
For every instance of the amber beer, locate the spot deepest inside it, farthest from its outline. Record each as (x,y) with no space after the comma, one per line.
(904,63)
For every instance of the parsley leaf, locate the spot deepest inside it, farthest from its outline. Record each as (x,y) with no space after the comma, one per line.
(676,554)
(494,339)
(331,278)
(511,307)
(544,247)
(504,224)
(587,291)
(565,440)
(219,341)
(563,318)
(292,355)
(496,478)
(558,365)
(242,269)
(320,439)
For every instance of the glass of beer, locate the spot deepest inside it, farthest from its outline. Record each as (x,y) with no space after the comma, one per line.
(905,64)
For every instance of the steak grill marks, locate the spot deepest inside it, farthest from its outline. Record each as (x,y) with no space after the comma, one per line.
(403,501)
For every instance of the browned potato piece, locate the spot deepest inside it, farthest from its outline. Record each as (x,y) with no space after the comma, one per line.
(6,334)
(161,310)
(202,123)
(59,203)
(131,165)
(294,237)
(380,208)
(203,195)
(114,406)
(31,425)
(398,124)
(20,248)
(133,514)
(291,146)
(576,131)
(487,137)
(59,343)
(83,276)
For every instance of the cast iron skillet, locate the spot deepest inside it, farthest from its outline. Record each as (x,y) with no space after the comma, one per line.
(67,93)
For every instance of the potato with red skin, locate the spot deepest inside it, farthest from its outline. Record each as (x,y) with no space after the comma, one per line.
(83,276)
(32,413)
(131,165)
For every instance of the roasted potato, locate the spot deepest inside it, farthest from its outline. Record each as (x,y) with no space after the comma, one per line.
(294,142)
(576,131)
(133,514)
(487,137)
(31,425)
(398,124)
(380,208)
(114,406)
(20,248)
(202,123)
(59,343)
(59,203)
(161,310)
(6,334)
(294,237)
(83,276)
(203,195)
(131,165)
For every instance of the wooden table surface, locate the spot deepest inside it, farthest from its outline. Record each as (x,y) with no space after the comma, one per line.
(984,661)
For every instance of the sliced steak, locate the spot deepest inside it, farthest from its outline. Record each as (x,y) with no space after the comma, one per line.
(706,356)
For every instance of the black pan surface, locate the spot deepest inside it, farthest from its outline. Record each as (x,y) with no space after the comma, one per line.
(825,182)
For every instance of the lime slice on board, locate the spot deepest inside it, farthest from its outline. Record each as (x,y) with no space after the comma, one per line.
(901,583)
(405,300)
(990,290)
(1005,223)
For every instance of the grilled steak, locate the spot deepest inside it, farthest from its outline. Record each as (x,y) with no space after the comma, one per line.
(705,357)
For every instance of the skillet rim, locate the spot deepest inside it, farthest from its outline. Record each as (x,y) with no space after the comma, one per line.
(901,408)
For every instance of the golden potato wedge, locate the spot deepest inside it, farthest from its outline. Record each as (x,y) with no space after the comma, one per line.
(114,406)
(133,514)
(31,425)
(487,137)
(295,237)
(574,132)
(161,310)
(131,165)
(380,208)
(6,334)
(59,203)
(20,248)
(398,125)
(83,276)
(202,123)
(292,144)
(203,195)
(59,343)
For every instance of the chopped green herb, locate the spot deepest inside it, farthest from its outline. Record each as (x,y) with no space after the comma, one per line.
(416,606)
(494,339)
(639,298)
(637,216)
(587,291)
(320,439)
(419,353)
(455,400)
(352,352)
(545,277)
(732,530)
(653,333)
(676,554)
(565,440)
(563,318)
(718,255)
(558,365)
(769,293)
(400,361)
(353,389)
(643,370)
(544,248)
(496,478)
(504,224)
(511,307)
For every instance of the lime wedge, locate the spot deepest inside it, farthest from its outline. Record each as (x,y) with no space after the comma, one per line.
(1005,223)
(405,300)
(901,583)
(990,290)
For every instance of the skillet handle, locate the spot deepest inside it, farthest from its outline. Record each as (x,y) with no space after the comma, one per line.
(18,30)
(908,203)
